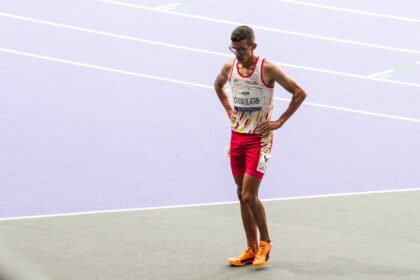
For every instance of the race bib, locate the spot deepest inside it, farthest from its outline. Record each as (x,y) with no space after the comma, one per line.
(263,162)
(249,100)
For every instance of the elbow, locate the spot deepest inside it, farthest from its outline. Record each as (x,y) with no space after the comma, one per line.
(300,96)
(304,95)
(217,87)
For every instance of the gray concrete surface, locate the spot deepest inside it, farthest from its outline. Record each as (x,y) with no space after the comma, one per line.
(374,236)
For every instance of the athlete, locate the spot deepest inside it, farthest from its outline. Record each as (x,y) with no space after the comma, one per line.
(252,79)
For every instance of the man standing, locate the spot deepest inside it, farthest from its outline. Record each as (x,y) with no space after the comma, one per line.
(252,80)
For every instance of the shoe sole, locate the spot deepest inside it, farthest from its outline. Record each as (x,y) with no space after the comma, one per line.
(266,261)
(261,264)
(245,262)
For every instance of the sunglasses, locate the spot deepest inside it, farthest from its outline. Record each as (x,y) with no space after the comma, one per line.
(240,50)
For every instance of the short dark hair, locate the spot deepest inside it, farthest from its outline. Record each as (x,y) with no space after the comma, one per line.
(243,32)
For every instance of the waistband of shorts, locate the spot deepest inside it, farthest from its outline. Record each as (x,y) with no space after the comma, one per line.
(246,134)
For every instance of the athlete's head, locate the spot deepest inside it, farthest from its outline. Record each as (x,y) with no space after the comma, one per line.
(243,42)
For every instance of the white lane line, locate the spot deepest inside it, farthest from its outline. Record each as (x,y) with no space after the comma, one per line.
(265,28)
(382,73)
(344,74)
(107,69)
(353,11)
(169,45)
(175,81)
(385,77)
(107,34)
(204,204)
(169,6)
(343,109)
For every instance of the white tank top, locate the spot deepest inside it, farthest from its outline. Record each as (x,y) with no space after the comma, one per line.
(252,98)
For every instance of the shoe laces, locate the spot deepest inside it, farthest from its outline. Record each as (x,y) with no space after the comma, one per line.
(245,252)
(261,250)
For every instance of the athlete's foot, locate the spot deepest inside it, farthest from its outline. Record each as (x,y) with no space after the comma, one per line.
(263,254)
(247,257)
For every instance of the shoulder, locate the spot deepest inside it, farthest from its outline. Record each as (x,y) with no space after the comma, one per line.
(227,66)
(269,66)
(272,70)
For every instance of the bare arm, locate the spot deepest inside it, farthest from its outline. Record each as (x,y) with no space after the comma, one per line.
(274,74)
(219,86)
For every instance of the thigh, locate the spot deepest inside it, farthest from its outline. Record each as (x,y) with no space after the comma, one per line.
(239,179)
(237,155)
(258,155)
(250,185)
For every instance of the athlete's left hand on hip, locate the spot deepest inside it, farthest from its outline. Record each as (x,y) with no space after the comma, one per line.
(265,127)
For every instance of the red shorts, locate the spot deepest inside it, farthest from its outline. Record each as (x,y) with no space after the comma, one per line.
(245,152)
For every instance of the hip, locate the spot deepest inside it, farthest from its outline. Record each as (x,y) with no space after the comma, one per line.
(251,141)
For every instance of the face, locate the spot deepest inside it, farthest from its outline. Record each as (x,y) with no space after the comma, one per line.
(242,50)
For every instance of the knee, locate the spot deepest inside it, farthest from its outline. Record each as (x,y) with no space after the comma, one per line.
(249,198)
(239,193)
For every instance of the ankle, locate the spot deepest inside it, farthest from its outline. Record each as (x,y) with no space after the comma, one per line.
(254,248)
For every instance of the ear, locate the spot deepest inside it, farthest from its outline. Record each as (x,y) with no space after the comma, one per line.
(254,46)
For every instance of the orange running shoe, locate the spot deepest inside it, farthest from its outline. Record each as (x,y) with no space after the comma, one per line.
(263,254)
(247,257)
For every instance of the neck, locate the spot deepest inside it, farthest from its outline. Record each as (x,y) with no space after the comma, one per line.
(250,62)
